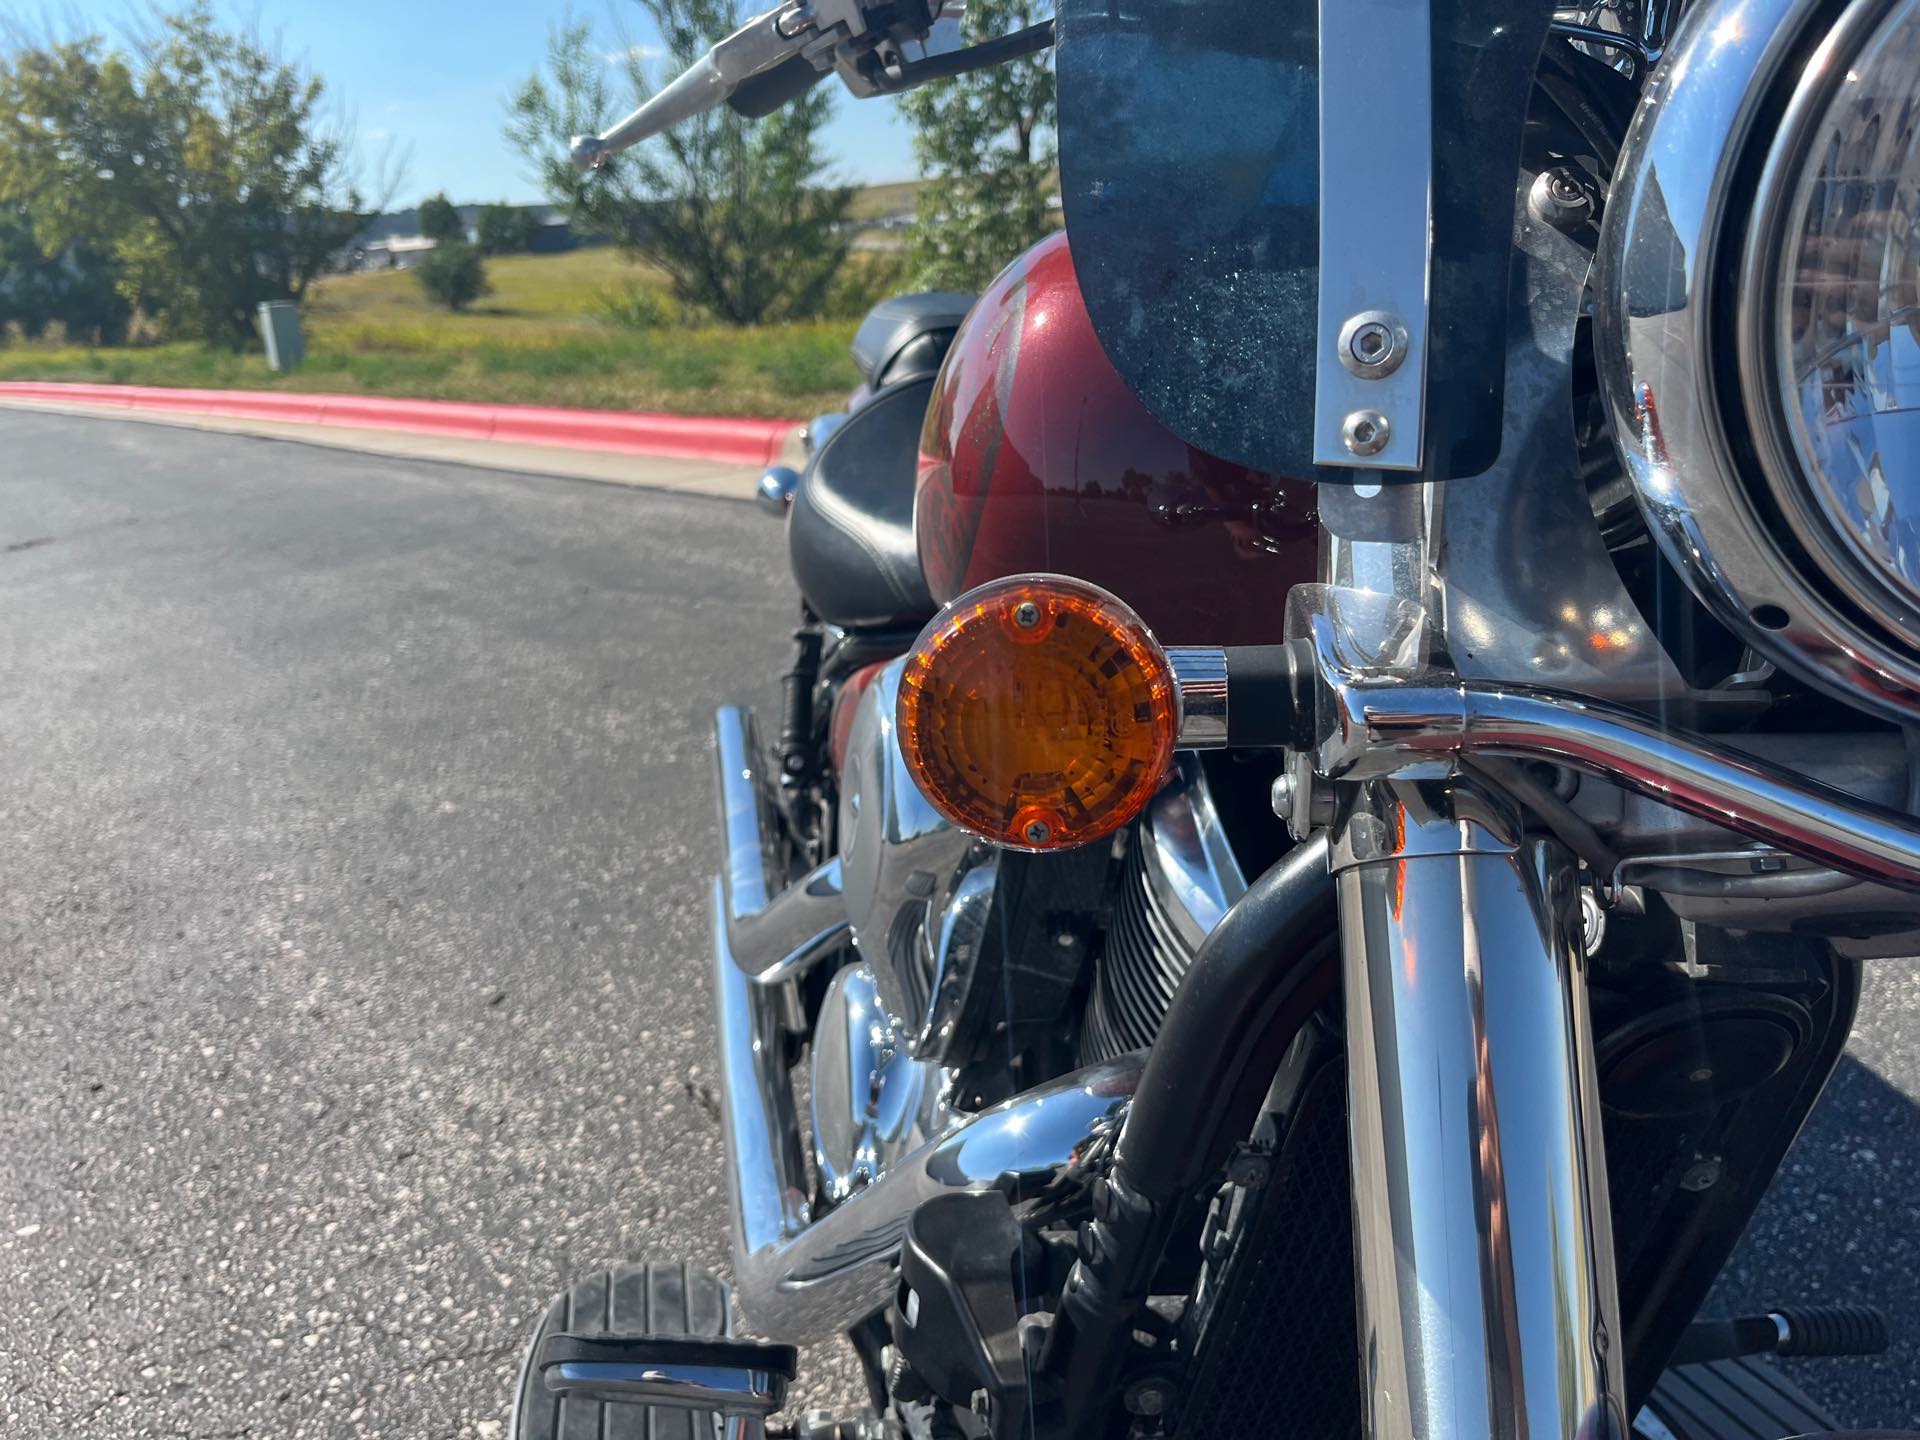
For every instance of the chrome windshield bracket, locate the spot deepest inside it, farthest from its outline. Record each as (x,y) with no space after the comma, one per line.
(1376,233)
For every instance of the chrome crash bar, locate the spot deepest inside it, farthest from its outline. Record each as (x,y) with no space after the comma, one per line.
(796,1276)
(1380,728)
(1357,721)
(1350,717)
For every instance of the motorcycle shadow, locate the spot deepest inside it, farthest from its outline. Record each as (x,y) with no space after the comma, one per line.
(1842,1222)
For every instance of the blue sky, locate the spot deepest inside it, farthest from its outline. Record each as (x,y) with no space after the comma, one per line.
(432,76)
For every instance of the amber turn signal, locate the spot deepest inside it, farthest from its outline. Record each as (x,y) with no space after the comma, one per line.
(1038,712)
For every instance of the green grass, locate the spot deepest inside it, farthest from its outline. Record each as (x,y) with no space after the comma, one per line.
(540,338)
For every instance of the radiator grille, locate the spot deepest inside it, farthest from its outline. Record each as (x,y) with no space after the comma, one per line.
(1280,1354)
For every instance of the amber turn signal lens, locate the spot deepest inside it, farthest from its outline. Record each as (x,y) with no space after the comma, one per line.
(1038,712)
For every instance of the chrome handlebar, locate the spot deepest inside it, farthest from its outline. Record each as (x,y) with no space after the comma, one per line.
(770,39)
(894,49)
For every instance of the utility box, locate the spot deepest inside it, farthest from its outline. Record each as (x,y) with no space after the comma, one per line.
(280,324)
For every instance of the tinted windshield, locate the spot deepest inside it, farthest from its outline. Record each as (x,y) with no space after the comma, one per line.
(1190,174)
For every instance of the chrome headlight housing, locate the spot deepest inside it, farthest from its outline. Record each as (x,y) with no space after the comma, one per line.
(1759,330)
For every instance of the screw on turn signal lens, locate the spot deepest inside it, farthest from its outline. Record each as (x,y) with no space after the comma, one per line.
(1038,712)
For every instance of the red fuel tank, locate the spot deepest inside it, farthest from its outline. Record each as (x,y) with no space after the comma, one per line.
(1036,456)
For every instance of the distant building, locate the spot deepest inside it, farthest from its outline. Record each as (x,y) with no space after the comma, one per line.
(394,241)
(396,252)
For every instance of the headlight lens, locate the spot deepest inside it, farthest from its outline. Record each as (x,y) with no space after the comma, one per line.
(1846,304)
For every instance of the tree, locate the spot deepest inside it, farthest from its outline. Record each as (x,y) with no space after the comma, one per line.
(985,142)
(736,212)
(452,274)
(506,229)
(197,163)
(73,289)
(441,222)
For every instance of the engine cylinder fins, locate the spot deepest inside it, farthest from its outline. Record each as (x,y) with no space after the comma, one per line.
(1142,965)
(1178,879)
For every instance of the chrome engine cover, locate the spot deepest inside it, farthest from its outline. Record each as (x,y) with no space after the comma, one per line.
(917,889)
(872,1102)
(800,1273)
(918,895)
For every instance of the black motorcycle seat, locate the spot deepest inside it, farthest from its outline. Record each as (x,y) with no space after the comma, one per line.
(850,532)
(906,337)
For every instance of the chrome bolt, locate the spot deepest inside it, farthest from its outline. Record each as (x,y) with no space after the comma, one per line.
(1283,795)
(1037,833)
(1147,1396)
(1026,614)
(1366,432)
(1373,344)
(1593,922)
(1558,198)
(1371,341)
(1702,1174)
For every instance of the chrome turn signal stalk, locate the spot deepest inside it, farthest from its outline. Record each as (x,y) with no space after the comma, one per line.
(1254,696)
(1200,675)
(774,492)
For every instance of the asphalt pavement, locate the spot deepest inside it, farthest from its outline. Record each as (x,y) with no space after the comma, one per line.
(354,833)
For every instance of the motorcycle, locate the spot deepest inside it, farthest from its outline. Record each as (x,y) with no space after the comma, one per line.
(1351,730)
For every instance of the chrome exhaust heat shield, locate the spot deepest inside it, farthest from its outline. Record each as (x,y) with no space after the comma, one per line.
(798,1278)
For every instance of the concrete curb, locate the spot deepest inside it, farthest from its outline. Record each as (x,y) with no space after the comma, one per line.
(685,437)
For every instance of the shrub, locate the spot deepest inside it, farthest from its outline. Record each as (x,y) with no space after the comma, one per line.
(639,307)
(868,277)
(452,275)
(505,229)
(440,221)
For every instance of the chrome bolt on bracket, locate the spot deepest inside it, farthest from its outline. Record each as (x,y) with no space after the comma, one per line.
(1366,432)
(1373,344)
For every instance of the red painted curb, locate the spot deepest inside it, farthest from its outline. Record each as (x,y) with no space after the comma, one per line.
(683,437)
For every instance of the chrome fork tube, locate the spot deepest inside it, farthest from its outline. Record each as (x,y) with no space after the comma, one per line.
(1484,1255)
